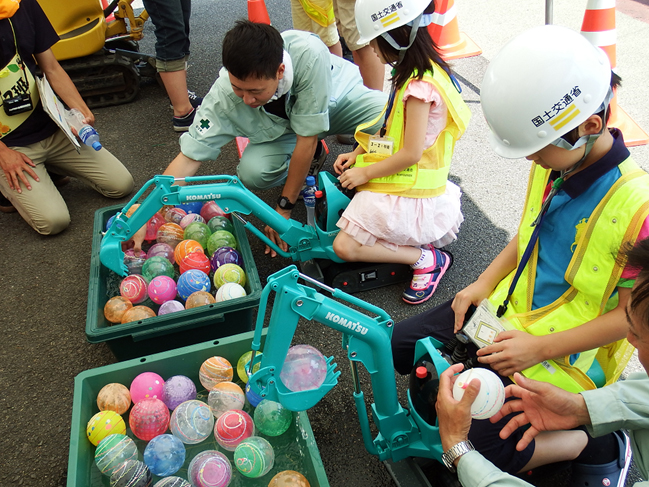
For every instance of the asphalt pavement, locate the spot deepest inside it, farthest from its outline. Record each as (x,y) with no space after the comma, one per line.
(44,280)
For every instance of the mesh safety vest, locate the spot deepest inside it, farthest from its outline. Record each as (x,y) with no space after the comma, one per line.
(320,11)
(428,177)
(593,275)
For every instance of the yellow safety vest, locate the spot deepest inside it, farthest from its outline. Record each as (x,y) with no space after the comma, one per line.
(320,11)
(593,275)
(428,177)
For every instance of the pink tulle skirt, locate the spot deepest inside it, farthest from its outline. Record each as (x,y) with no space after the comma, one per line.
(397,220)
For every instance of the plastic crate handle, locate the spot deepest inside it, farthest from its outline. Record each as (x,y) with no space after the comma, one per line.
(167,329)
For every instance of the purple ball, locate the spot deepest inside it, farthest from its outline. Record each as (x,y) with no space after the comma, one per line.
(178,389)
(170,307)
(162,250)
(226,255)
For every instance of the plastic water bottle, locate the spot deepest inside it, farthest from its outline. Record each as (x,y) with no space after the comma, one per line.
(309,200)
(86,132)
(321,210)
(424,384)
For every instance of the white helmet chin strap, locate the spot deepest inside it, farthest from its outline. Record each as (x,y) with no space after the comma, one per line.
(413,33)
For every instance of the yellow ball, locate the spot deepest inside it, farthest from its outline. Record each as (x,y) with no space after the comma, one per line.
(229,273)
(103,424)
(215,370)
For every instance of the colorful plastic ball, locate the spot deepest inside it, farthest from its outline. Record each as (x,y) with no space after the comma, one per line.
(103,424)
(133,288)
(164,455)
(149,418)
(163,211)
(242,363)
(172,482)
(254,457)
(170,233)
(189,219)
(114,397)
(220,238)
(229,273)
(232,427)
(175,215)
(112,451)
(214,370)
(162,289)
(220,223)
(146,385)
(195,260)
(162,250)
(172,306)
(134,261)
(192,422)
(304,368)
(225,396)
(157,266)
(115,308)
(210,210)
(198,299)
(110,222)
(225,255)
(491,396)
(198,231)
(138,313)
(131,210)
(271,418)
(191,207)
(131,473)
(191,281)
(253,398)
(289,478)
(153,225)
(230,290)
(185,248)
(210,468)
(178,389)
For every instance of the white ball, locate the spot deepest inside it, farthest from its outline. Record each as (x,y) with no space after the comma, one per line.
(230,290)
(491,396)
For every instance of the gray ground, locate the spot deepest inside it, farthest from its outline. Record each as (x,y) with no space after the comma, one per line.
(44,280)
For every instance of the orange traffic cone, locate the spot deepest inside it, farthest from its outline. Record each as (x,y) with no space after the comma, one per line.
(445,32)
(257,12)
(599,28)
(104,4)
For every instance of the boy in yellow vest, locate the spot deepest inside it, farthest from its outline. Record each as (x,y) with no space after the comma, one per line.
(560,283)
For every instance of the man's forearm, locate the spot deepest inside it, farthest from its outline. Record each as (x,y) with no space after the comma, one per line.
(299,167)
(182,167)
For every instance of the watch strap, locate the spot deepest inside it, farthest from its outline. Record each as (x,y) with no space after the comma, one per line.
(455,452)
(284,203)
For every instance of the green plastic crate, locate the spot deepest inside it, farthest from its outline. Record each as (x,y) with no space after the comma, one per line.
(173,330)
(82,471)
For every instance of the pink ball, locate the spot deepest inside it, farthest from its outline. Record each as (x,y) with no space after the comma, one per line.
(147,385)
(162,289)
(210,210)
(133,288)
(170,307)
(162,250)
(232,428)
(152,226)
(191,218)
(149,418)
(174,215)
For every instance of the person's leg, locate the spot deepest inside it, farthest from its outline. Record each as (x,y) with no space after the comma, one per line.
(556,446)
(176,87)
(98,169)
(264,166)
(328,35)
(350,250)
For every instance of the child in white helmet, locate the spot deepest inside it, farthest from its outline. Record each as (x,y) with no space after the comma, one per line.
(561,283)
(405,208)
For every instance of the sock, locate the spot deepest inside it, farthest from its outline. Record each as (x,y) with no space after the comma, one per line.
(599,450)
(185,116)
(426,259)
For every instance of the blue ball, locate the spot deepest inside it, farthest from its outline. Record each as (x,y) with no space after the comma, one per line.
(253,398)
(191,281)
(164,455)
(110,221)
(193,207)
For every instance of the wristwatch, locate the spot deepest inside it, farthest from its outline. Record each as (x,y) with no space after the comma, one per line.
(455,452)
(284,203)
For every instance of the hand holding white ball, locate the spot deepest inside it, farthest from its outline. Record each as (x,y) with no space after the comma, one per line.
(491,396)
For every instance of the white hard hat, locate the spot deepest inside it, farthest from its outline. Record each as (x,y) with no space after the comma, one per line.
(376,17)
(540,86)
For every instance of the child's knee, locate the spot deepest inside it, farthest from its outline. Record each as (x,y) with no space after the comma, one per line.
(343,249)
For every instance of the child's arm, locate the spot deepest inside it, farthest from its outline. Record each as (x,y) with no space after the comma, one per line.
(474,293)
(411,152)
(343,161)
(514,351)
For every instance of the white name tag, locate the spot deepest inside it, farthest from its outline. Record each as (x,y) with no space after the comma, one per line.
(380,145)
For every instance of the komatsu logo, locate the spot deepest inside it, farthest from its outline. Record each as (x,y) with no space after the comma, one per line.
(354,326)
(201,197)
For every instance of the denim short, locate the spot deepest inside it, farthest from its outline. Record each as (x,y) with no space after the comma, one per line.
(171,21)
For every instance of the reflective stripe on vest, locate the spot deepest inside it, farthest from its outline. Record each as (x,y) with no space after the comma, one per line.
(428,177)
(320,11)
(593,275)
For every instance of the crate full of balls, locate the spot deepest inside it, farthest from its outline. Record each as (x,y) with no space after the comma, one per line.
(192,257)
(167,432)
